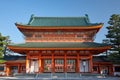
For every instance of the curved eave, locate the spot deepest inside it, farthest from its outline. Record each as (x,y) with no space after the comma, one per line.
(25,49)
(28,27)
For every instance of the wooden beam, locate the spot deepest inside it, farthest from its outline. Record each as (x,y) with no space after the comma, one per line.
(25,49)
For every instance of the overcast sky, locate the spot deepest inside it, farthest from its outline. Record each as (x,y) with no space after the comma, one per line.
(12,11)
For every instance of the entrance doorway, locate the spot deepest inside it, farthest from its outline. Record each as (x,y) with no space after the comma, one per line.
(104,69)
(34,66)
(84,66)
(14,70)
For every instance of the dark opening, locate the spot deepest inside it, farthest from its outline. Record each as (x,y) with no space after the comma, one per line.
(117,69)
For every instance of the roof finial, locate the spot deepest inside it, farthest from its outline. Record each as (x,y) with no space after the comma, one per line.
(32,15)
(87,17)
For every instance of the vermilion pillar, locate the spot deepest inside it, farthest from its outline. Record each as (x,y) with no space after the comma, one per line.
(91,64)
(53,63)
(7,70)
(110,70)
(27,64)
(40,63)
(99,70)
(65,63)
(19,68)
(78,63)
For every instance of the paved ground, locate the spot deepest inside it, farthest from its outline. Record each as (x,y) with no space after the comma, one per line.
(81,78)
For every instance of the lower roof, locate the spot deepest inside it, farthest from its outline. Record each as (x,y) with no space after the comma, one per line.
(22,48)
(12,59)
(100,59)
(60,45)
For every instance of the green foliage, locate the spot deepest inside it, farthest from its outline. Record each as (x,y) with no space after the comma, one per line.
(114,57)
(2,60)
(114,37)
(2,43)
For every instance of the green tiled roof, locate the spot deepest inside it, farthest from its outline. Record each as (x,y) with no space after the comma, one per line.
(60,45)
(60,21)
(100,59)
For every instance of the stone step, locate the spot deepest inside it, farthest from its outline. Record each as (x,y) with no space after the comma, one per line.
(55,75)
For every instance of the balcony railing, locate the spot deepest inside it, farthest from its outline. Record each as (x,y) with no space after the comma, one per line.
(88,39)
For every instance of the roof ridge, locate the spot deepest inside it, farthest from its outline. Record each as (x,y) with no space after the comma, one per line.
(59,17)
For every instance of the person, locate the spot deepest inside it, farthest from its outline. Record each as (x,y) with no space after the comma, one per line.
(103,73)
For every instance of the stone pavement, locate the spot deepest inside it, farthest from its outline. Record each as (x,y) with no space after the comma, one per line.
(81,78)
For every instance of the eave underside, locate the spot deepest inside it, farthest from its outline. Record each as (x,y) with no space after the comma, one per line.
(38,28)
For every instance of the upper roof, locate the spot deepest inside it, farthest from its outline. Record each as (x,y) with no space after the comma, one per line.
(59,21)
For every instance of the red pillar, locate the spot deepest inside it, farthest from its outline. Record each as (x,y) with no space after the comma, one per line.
(27,64)
(53,63)
(111,70)
(91,64)
(99,68)
(19,68)
(78,63)
(65,63)
(40,63)
(7,70)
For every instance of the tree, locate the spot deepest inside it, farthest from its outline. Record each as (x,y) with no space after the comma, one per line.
(114,37)
(2,44)
(105,41)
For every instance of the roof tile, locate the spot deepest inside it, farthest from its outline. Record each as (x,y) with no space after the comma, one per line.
(60,21)
(61,45)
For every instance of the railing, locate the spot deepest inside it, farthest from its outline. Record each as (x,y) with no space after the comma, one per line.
(60,39)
